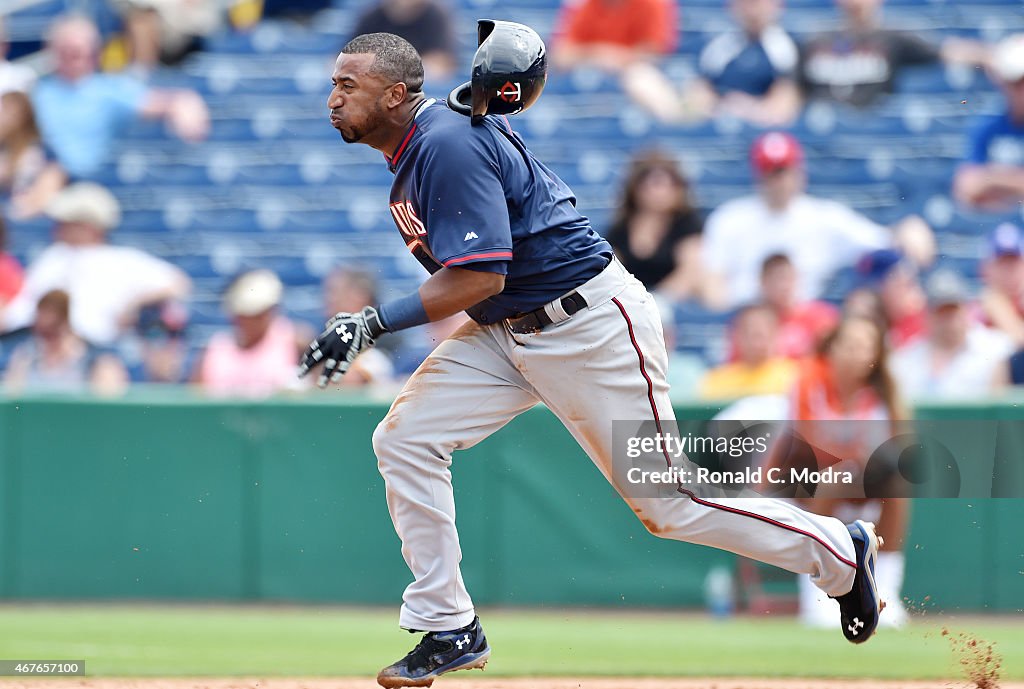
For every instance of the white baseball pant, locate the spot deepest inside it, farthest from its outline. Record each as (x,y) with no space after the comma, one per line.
(606,362)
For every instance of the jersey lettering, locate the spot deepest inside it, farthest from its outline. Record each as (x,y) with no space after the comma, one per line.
(409,225)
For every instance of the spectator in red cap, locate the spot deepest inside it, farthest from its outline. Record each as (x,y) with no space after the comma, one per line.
(1002,299)
(992,175)
(819,235)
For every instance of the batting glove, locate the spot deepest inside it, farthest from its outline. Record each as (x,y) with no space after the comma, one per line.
(346,335)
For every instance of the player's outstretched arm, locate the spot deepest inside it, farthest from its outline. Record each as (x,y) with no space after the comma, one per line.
(445,293)
(451,290)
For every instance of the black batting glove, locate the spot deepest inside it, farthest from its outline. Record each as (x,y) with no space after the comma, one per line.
(345,336)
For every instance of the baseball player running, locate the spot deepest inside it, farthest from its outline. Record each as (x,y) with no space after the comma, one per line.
(555,319)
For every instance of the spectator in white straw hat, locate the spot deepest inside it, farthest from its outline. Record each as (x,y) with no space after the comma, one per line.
(259,355)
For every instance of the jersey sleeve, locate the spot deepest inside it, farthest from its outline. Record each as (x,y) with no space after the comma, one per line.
(462,203)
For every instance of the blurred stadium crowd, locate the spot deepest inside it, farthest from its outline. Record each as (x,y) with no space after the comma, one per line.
(177,209)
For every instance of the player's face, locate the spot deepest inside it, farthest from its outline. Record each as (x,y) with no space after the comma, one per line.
(357,99)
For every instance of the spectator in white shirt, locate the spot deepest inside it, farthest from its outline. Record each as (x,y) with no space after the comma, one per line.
(107,284)
(819,235)
(957,357)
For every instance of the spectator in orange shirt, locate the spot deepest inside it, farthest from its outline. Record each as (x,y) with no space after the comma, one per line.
(845,404)
(622,37)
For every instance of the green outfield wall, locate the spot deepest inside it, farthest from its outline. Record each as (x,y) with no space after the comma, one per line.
(179,498)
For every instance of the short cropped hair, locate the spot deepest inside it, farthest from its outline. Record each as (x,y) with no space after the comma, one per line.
(774,261)
(58,301)
(71,22)
(394,58)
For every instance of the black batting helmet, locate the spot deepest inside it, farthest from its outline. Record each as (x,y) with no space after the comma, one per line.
(509,70)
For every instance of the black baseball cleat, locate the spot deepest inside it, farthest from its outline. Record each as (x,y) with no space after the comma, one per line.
(859,609)
(436,654)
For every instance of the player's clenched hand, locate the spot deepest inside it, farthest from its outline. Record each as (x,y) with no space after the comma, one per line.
(339,344)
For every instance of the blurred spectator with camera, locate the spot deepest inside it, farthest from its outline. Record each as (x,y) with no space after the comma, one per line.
(657,231)
(819,235)
(621,37)
(426,24)
(29,176)
(957,357)
(259,355)
(348,290)
(859,63)
(55,359)
(758,368)
(749,73)
(108,284)
(102,103)
(992,175)
(164,32)
(158,352)
(13,77)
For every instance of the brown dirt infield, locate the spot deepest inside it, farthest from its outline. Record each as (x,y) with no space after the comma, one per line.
(483,683)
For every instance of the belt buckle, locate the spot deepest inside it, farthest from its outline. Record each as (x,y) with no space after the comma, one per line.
(516,326)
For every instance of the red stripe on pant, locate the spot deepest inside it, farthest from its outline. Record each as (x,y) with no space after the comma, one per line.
(668,461)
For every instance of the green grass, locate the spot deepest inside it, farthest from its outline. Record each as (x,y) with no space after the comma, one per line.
(195,640)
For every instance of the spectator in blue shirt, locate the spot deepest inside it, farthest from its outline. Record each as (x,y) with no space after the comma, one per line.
(749,73)
(81,111)
(992,176)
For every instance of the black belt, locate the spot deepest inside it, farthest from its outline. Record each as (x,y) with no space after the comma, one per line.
(537,320)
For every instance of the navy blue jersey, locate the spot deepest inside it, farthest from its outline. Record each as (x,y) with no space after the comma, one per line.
(474,197)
